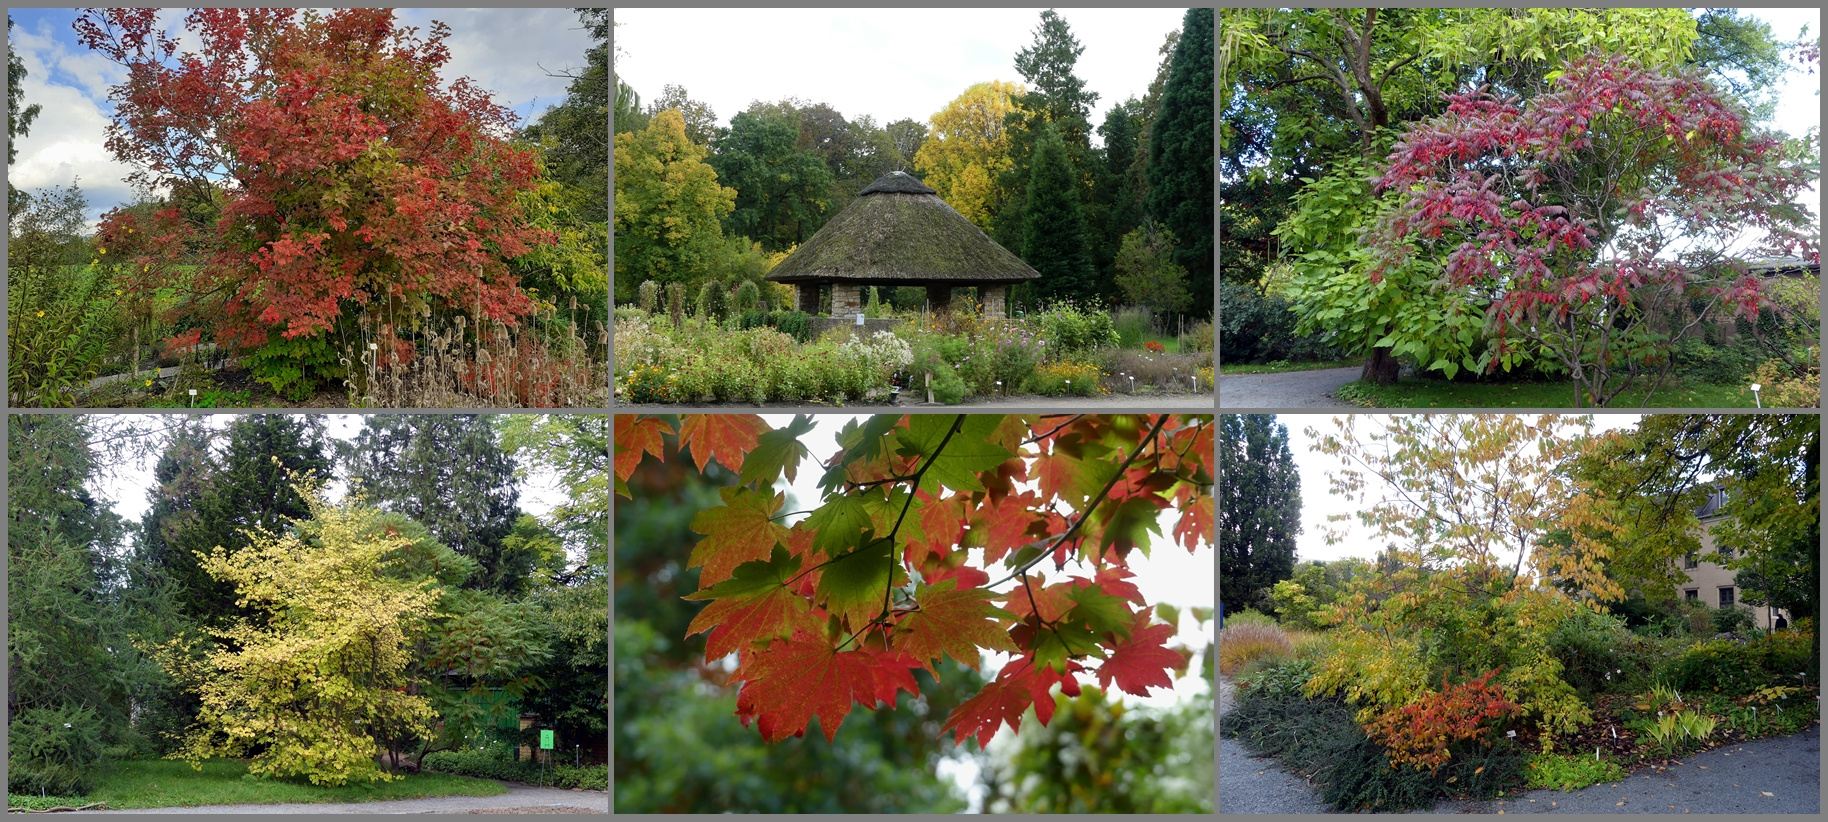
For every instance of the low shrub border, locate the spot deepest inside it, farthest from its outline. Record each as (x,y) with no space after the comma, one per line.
(497,762)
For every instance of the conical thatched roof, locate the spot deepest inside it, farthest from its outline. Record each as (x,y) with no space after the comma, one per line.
(899,231)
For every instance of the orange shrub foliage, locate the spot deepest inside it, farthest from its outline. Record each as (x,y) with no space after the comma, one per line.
(1418,733)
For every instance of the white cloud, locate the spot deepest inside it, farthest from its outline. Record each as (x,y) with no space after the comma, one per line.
(888,63)
(511,52)
(66,140)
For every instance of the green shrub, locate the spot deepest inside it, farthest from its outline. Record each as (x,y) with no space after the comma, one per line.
(1563,772)
(647,295)
(748,295)
(1732,619)
(53,751)
(1133,324)
(1070,329)
(796,324)
(1597,654)
(1786,656)
(1259,329)
(1717,665)
(497,762)
(1280,680)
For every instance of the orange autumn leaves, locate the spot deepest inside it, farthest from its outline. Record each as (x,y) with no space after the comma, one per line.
(892,570)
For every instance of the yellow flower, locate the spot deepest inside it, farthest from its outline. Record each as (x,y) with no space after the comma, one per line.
(553,209)
(93,262)
(149,382)
(41,313)
(104,251)
(117,292)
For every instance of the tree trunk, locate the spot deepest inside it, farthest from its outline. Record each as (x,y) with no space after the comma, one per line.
(1380,368)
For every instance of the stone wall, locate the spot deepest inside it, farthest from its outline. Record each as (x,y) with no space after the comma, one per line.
(846,299)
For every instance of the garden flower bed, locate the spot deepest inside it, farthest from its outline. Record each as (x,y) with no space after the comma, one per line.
(773,356)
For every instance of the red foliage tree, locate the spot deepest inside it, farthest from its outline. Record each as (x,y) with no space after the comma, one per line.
(317,169)
(885,575)
(1597,215)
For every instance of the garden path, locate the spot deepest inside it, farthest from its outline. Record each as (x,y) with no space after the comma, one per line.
(1248,784)
(518,799)
(1291,389)
(1777,775)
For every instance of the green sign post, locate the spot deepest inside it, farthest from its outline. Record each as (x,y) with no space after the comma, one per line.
(546,740)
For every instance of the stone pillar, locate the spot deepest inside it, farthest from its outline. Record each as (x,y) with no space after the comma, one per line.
(806,297)
(846,300)
(939,298)
(994,299)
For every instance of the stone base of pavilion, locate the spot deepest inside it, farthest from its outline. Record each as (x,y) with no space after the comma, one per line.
(847,298)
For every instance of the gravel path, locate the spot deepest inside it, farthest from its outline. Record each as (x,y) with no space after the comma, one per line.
(1778,775)
(518,800)
(1293,389)
(1248,784)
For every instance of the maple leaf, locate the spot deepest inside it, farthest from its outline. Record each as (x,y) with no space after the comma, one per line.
(1127,524)
(1195,525)
(634,437)
(965,455)
(728,437)
(952,621)
(853,585)
(789,682)
(981,715)
(736,532)
(754,604)
(1099,610)
(838,525)
(1034,598)
(776,452)
(1141,662)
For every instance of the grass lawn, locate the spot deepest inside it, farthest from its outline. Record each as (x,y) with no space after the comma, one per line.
(1283,366)
(159,783)
(1413,392)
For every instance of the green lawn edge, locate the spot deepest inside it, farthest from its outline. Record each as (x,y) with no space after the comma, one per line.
(157,783)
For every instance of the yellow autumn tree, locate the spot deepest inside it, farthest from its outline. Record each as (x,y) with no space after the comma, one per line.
(669,206)
(968,149)
(1487,542)
(306,688)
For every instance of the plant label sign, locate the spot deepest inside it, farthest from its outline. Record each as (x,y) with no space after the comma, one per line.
(546,740)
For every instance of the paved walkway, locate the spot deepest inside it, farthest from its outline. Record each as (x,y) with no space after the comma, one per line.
(1155,403)
(1776,775)
(519,799)
(1291,389)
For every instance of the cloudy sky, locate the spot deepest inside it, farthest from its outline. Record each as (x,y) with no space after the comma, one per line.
(887,63)
(510,52)
(1317,504)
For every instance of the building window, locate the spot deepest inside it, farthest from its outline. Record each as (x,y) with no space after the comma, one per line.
(1726,553)
(1689,562)
(1726,597)
(1692,594)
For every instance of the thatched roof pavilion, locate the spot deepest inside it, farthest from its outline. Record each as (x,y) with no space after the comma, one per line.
(899,232)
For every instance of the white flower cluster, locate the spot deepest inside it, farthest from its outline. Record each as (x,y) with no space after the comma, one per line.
(881,352)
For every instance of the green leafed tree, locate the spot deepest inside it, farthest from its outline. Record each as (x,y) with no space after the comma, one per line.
(65,696)
(669,206)
(450,474)
(782,190)
(18,119)
(1180,154)
(1054,238)
(1260,512)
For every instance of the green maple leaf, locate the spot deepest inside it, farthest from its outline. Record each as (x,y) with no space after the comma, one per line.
(1127,524)
(860,443)
(967,453)
(736,532)
(954,622)
(1102,612)
(776,451)
(1055,646)
(838,524)
(752,605)
(853,585)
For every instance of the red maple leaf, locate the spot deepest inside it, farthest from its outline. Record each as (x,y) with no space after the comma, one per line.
(1141,662)
(788,683)
(728,437)
(752,606)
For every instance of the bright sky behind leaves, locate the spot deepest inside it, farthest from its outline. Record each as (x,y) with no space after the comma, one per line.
(509,52)
(1317,504)
(887,63)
